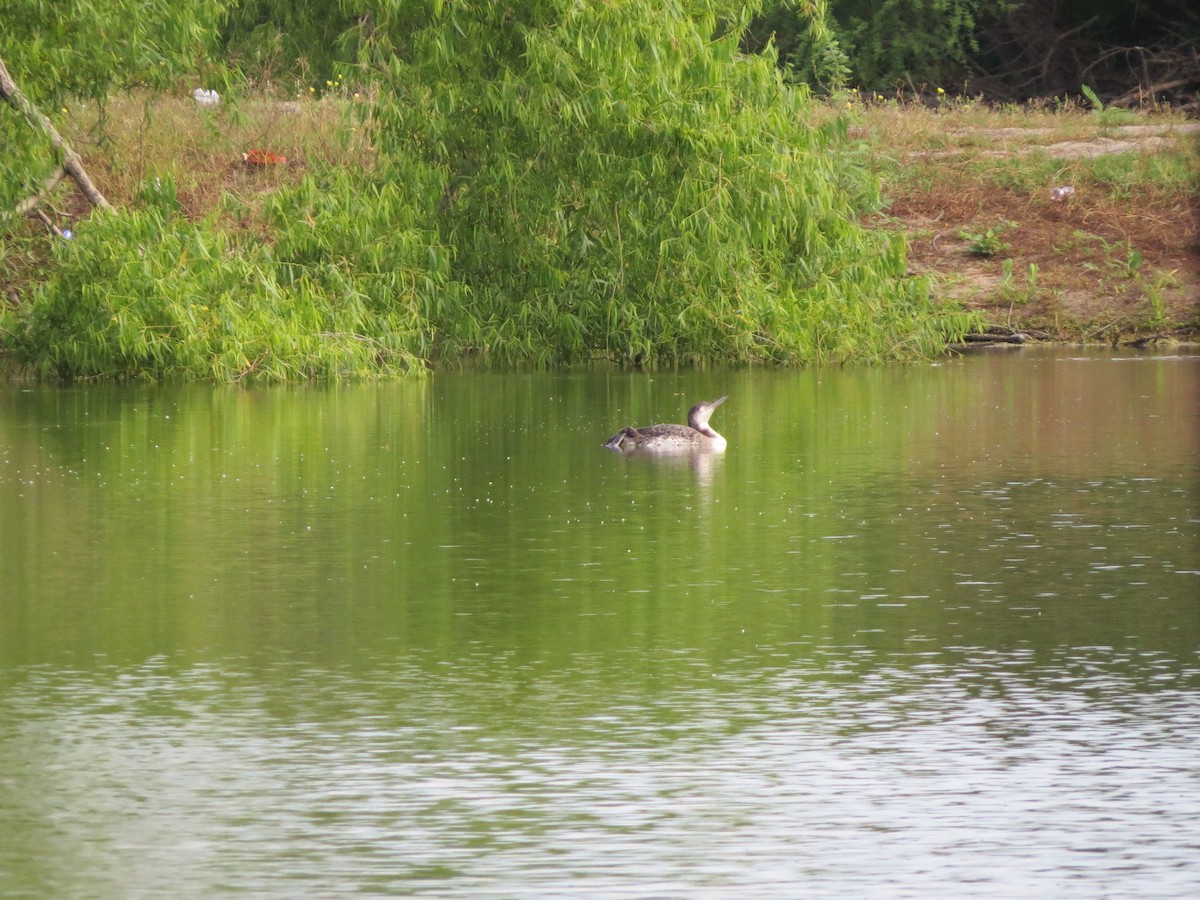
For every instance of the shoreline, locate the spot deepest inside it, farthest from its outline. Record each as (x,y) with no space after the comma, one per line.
(1068,227)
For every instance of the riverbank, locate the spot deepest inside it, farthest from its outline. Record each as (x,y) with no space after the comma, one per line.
(1059,223)
(1066,225)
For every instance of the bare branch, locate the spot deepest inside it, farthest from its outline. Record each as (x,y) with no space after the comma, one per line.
(31,203)
(72,164)
(46,220)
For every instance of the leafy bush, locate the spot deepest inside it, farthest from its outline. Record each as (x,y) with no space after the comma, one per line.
(275,38)
(882,42)
(333,292)
(621,183)
(550,182)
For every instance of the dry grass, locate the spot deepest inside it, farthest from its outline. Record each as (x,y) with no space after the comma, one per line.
(140,137)
(1120,256)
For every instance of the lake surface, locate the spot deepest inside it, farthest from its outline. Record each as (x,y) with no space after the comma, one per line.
(922,631)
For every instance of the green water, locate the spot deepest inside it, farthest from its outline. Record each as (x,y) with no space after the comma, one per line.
(920,629)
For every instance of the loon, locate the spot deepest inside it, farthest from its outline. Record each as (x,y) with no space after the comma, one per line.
(696,435)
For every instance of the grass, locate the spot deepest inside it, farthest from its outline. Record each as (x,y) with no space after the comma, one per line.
(1120,258)
(139,137)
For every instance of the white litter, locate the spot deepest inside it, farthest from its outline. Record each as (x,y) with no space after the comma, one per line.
(206,97)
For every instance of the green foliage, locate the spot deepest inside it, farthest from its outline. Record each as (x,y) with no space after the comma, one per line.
(303,41)
(621,183)
(987,243)
(1018,294)
(552,182)
(878,43)
(339,290)
(892,39)
(24,162)
(1157,315)
(57,52)
(804,38)
(1119,258)
(1107,117)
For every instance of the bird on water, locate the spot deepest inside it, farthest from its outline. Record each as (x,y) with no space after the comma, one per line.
(697,434)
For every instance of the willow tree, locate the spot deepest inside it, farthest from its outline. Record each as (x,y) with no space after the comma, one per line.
(555,181)
(55,53)
(620,180)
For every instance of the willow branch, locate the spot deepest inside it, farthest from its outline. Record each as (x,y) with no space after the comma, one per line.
(72,164)
(31,203)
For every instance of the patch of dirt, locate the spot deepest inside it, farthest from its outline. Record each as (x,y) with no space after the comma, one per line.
(1089,267)
(1020,141)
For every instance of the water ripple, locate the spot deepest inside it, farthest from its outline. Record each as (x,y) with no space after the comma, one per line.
(972,772)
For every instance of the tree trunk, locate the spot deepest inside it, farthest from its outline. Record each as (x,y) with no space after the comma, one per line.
(71,163)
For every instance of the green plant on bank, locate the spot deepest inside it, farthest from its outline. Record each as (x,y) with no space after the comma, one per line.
(1018,294)
(554,182)
(1117,258)
(878,42)
(987,243)
(619,183)
(340,292)
(1158,317)
(1017,161)
(1136,178)
(1006,275)
(1120,267)
(1106,117)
